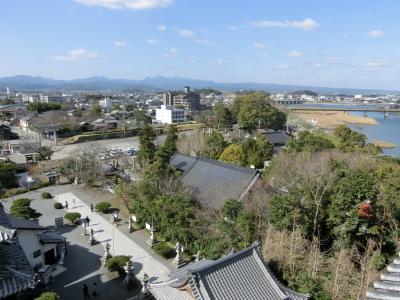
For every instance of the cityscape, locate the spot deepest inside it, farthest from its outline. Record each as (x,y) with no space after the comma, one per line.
(162,149)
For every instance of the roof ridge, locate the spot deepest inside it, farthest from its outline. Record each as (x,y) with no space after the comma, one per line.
(227,258)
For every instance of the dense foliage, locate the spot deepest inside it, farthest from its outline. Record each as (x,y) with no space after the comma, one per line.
(214,145)
(117,263)
(254,110)
(42,107)
(21,208)
(7,175)
(72,216)
(103,206)
(48,296)
(46,195)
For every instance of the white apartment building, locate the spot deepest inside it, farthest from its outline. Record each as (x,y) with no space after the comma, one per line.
(170,115)
(106,103)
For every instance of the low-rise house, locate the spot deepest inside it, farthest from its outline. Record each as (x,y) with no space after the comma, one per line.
(6,133)
(237,276)
(105,123)
(20,146)
(213,182)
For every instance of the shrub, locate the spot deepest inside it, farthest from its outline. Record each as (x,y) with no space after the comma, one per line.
(48,296)
(72,216)
(20,208)
(58,205)
(164,250)
(46,195)
(103,206)
(117,263)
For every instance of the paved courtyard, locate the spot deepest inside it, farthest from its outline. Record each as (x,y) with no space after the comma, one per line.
(82,262)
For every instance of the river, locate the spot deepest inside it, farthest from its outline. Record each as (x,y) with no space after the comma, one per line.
(387,129)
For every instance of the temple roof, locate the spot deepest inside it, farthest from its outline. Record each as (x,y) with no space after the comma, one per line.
(388,286)
(213,181)
(238,276)
(16,274)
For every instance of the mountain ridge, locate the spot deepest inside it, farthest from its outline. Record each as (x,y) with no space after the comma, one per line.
(158,83)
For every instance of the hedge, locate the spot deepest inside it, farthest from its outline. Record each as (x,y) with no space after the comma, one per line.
(164,250)
(72,216)
(103,206)
(58,205)
(46,195)
(117,263)
(48,296)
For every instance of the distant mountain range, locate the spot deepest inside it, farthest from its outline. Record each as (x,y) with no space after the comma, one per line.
(158,83)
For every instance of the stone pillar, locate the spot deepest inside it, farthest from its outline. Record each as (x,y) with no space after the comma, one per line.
(92,241)
(178,260)
(107,254)
(130,224)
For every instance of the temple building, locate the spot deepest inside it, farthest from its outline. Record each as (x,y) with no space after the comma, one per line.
(237,276)
(388,286)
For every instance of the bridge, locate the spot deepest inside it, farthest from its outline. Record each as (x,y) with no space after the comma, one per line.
(386,111)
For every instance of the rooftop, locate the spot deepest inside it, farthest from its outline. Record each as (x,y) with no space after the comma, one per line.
(214,182)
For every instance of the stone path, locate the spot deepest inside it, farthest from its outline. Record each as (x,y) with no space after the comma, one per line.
(121,244)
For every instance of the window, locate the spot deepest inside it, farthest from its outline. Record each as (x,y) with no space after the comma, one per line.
(37,253)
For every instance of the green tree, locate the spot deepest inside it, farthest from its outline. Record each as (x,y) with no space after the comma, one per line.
(96,110)
(254,110)
(7,174)
(214,145)
(142,118)
(42,107)
(234,154)
(353,141)
(168,149)
(311,142)
(147,145)
(222,116)
(44,153)
(257,150)
(20,208)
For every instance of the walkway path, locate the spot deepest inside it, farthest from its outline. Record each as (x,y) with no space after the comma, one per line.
(104,232)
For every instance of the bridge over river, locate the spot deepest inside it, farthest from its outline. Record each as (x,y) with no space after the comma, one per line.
(345,110)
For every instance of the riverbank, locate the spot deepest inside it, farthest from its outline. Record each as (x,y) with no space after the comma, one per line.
(331,119)
(384,145)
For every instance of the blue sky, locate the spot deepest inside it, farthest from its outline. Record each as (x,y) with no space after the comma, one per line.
(340,43)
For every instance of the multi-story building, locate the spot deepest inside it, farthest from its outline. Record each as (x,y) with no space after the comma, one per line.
(51,99)
(170,115)
(187,100)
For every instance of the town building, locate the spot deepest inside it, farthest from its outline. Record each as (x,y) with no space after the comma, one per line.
(170,115)
(56,99)
(237,276)
(186,100)
(106,104)
(213,182)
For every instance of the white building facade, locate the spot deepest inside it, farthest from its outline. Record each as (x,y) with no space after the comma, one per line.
(170,115)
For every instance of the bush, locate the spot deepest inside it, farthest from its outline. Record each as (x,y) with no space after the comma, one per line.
(20,208)
(117,263)
(58,205)
(48,296)
(46,195)
(164,250)
(103,206)
(72,216)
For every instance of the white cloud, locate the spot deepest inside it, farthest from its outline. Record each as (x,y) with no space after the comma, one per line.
(376,33)
(283,67)
(162,28)
(126,4)
(376,64)
(152,41)
(307,24)
(234,28)
(264,56)
(120,44)
(172,52)
(259,45)
(295,54)
(186,33)
(220,61)
(77,55)
(205,42)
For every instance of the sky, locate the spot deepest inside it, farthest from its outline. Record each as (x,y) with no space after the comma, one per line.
(340,43)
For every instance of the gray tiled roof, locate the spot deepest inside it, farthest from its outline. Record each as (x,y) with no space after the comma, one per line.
(214,182)
(388,287)
(16,274)
(238,276)
(18,223)
(278,137)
